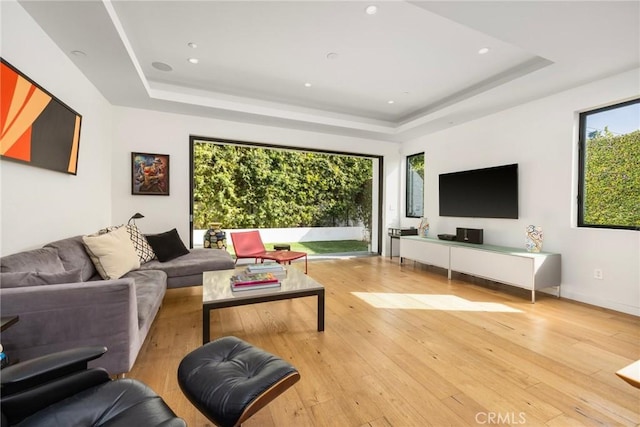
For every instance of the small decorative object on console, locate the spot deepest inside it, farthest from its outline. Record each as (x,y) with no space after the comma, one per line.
(424,227)
(533,240)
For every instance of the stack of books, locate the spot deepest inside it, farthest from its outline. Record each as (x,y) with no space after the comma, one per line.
(276,269)
(247,280)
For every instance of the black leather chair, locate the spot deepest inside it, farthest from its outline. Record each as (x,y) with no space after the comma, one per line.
(59,390)
(229,380)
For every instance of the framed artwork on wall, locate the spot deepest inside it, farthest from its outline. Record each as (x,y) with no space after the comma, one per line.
(149,174)
(36,128)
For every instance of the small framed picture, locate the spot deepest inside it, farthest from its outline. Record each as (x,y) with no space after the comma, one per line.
(149,174)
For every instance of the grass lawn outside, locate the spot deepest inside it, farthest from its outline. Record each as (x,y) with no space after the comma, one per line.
(325,247)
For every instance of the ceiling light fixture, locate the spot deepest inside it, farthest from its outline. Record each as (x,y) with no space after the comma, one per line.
(78,53)
(161,66)
(193,60)
(192,45)
(391,101)
(483,51)
(332,55)
(307,85)
(371,10)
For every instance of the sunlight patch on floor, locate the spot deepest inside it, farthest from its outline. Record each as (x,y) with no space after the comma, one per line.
(430,302)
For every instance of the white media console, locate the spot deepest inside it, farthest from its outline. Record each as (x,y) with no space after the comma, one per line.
(517,267)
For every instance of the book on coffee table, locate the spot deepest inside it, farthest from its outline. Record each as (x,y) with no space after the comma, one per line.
(264,268)
(247,281)
(252,287)
(278,270)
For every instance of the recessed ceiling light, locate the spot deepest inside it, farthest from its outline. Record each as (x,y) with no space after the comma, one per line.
(78,53)
(371,10)
(332,55)
(193,60)
(307,85)
(483,51)
(192,45)
(161,66)
(391,101)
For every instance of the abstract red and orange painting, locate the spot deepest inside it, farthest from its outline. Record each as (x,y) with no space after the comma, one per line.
(36,128)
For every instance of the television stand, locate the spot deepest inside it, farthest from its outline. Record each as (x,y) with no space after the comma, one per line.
(512,266)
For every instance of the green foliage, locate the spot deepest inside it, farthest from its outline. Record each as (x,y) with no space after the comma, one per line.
(248,187)
(417,164)
(612,179)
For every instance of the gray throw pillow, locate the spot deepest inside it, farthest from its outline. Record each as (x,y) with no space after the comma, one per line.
(37,278)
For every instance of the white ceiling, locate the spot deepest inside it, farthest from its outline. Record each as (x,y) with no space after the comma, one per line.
(255,57)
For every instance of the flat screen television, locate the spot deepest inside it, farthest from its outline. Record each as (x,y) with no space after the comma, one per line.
(480,193)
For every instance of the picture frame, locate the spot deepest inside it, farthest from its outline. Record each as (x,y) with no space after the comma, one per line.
(37,128)
(149,174)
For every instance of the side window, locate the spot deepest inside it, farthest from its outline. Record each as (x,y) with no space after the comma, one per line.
(609,180)
(415,186)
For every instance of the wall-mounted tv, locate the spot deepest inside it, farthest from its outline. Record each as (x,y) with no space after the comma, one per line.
(480,193)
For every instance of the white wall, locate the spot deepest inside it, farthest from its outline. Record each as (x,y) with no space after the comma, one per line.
(164,133)
(39,205)
(541,137)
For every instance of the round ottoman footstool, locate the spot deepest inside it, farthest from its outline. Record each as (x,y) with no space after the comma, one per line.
(229,380)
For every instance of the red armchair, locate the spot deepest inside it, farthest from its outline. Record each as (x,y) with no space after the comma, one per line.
(248,244)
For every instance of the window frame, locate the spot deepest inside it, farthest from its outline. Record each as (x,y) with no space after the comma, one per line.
(377,180)
(408,170)
(582,139)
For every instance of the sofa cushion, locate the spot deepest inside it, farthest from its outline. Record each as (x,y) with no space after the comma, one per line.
(195,262)
(167,245)
(73,255)
(112,253)
(35,278)
(44,259)
(151,286)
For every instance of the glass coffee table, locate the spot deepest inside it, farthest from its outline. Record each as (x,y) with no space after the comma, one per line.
(217,293)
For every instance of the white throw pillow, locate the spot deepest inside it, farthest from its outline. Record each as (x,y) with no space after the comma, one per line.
(112,253)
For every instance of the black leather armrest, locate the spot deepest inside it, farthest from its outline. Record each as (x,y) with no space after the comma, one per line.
(31,373)
(18,406)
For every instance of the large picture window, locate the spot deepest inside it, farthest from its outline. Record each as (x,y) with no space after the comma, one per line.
(609,181)
(415,186)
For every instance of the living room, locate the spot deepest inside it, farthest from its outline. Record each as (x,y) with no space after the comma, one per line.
(540,135)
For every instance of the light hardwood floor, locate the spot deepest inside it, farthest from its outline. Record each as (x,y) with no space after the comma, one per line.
(405,347)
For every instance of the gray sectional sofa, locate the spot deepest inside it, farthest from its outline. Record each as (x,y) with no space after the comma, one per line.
(63,302)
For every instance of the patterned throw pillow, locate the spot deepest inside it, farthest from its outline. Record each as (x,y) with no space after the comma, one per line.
(140,244)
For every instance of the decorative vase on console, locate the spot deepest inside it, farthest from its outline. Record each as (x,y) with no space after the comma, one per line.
(533,240)
(214,237)
(423,229)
